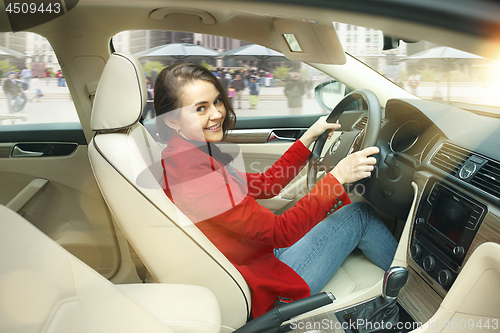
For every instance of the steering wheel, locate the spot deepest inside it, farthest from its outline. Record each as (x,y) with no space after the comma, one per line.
(347,142)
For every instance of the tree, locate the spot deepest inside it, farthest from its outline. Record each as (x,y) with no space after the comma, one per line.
(281,73)
(6,67)
(148,67)
(208,66)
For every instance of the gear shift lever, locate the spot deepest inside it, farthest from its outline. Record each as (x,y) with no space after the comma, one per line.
(394,279)
(383,309)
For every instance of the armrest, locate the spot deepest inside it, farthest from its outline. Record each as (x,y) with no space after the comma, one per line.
(183,308)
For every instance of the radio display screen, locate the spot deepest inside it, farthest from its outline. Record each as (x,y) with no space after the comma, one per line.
(449,216)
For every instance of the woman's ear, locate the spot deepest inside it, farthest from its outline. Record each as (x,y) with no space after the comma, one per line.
(170,122)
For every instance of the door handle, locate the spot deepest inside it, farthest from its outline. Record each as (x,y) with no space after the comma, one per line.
(273,136)
(18,152)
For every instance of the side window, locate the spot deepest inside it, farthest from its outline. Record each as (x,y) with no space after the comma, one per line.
(33,89)
(259,81)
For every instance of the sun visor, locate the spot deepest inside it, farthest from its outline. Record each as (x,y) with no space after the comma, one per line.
(308,41)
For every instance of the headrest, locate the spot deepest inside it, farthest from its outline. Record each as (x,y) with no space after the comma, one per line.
(121,94)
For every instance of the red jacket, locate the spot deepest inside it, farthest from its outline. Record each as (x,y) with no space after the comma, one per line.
(225,210)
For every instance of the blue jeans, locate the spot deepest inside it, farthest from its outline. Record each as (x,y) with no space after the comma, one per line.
(318,255)
(11,102)
(21,101)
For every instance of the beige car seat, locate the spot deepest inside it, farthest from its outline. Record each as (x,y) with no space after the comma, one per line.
(44,288)
(126,162)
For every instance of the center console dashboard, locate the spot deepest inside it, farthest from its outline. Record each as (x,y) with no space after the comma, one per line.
(444,227)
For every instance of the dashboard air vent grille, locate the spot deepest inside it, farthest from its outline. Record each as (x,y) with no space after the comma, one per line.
(361,124)
(450,158)
(488,178)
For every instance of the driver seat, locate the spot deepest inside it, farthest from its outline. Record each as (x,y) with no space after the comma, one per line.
(126,162)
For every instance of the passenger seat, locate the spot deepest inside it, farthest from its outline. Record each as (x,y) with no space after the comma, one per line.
(44,288)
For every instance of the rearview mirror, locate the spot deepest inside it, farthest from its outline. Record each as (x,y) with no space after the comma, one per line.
(329,94)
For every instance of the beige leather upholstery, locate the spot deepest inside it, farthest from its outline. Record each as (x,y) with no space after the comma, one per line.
(356,274)
(183,308)
(121,78)
(127,167)
(44,288)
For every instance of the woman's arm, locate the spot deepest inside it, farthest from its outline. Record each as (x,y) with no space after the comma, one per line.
(269,183)
(253,221)
(212,196)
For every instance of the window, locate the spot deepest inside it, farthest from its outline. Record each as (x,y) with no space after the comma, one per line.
(57,105)
(274,76)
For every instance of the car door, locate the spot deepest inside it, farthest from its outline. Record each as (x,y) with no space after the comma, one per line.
(45,174)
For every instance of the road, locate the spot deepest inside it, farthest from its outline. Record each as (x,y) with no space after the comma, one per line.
(57,106)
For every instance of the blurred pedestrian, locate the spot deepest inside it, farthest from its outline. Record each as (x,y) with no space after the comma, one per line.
(26,74)
(12,91)
(308,85)
(60,79)
(294,90)
(149,110)
(46,72)
(254,92)
(35,86)
(21,98)
(238,86)
(154,74)
(230,94)
(223,80)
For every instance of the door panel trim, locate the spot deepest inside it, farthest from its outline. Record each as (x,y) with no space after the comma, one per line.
(26,194)
(50,132)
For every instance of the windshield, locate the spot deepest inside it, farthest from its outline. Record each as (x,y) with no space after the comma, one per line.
(426,69)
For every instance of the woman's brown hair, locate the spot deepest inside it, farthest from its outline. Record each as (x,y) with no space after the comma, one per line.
(168,90)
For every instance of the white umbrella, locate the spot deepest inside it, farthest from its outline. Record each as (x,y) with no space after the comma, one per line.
(10,53)
(443,56)
(178,51)
(253,52)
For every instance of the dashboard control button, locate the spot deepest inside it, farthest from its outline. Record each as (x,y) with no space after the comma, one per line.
(459,251)
(416,251)
(445,277)
(429,263)
(420,221)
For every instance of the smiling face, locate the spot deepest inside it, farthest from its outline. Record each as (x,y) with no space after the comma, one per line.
(202,113)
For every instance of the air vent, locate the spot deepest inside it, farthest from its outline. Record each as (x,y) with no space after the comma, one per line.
(361,124)
(450,158)
(488,178)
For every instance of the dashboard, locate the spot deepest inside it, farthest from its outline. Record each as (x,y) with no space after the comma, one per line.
(452,156)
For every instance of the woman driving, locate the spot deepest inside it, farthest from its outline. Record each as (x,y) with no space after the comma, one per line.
(291,255)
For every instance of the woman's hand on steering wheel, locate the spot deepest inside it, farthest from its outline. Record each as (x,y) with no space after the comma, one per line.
(355,166)
(318,128)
